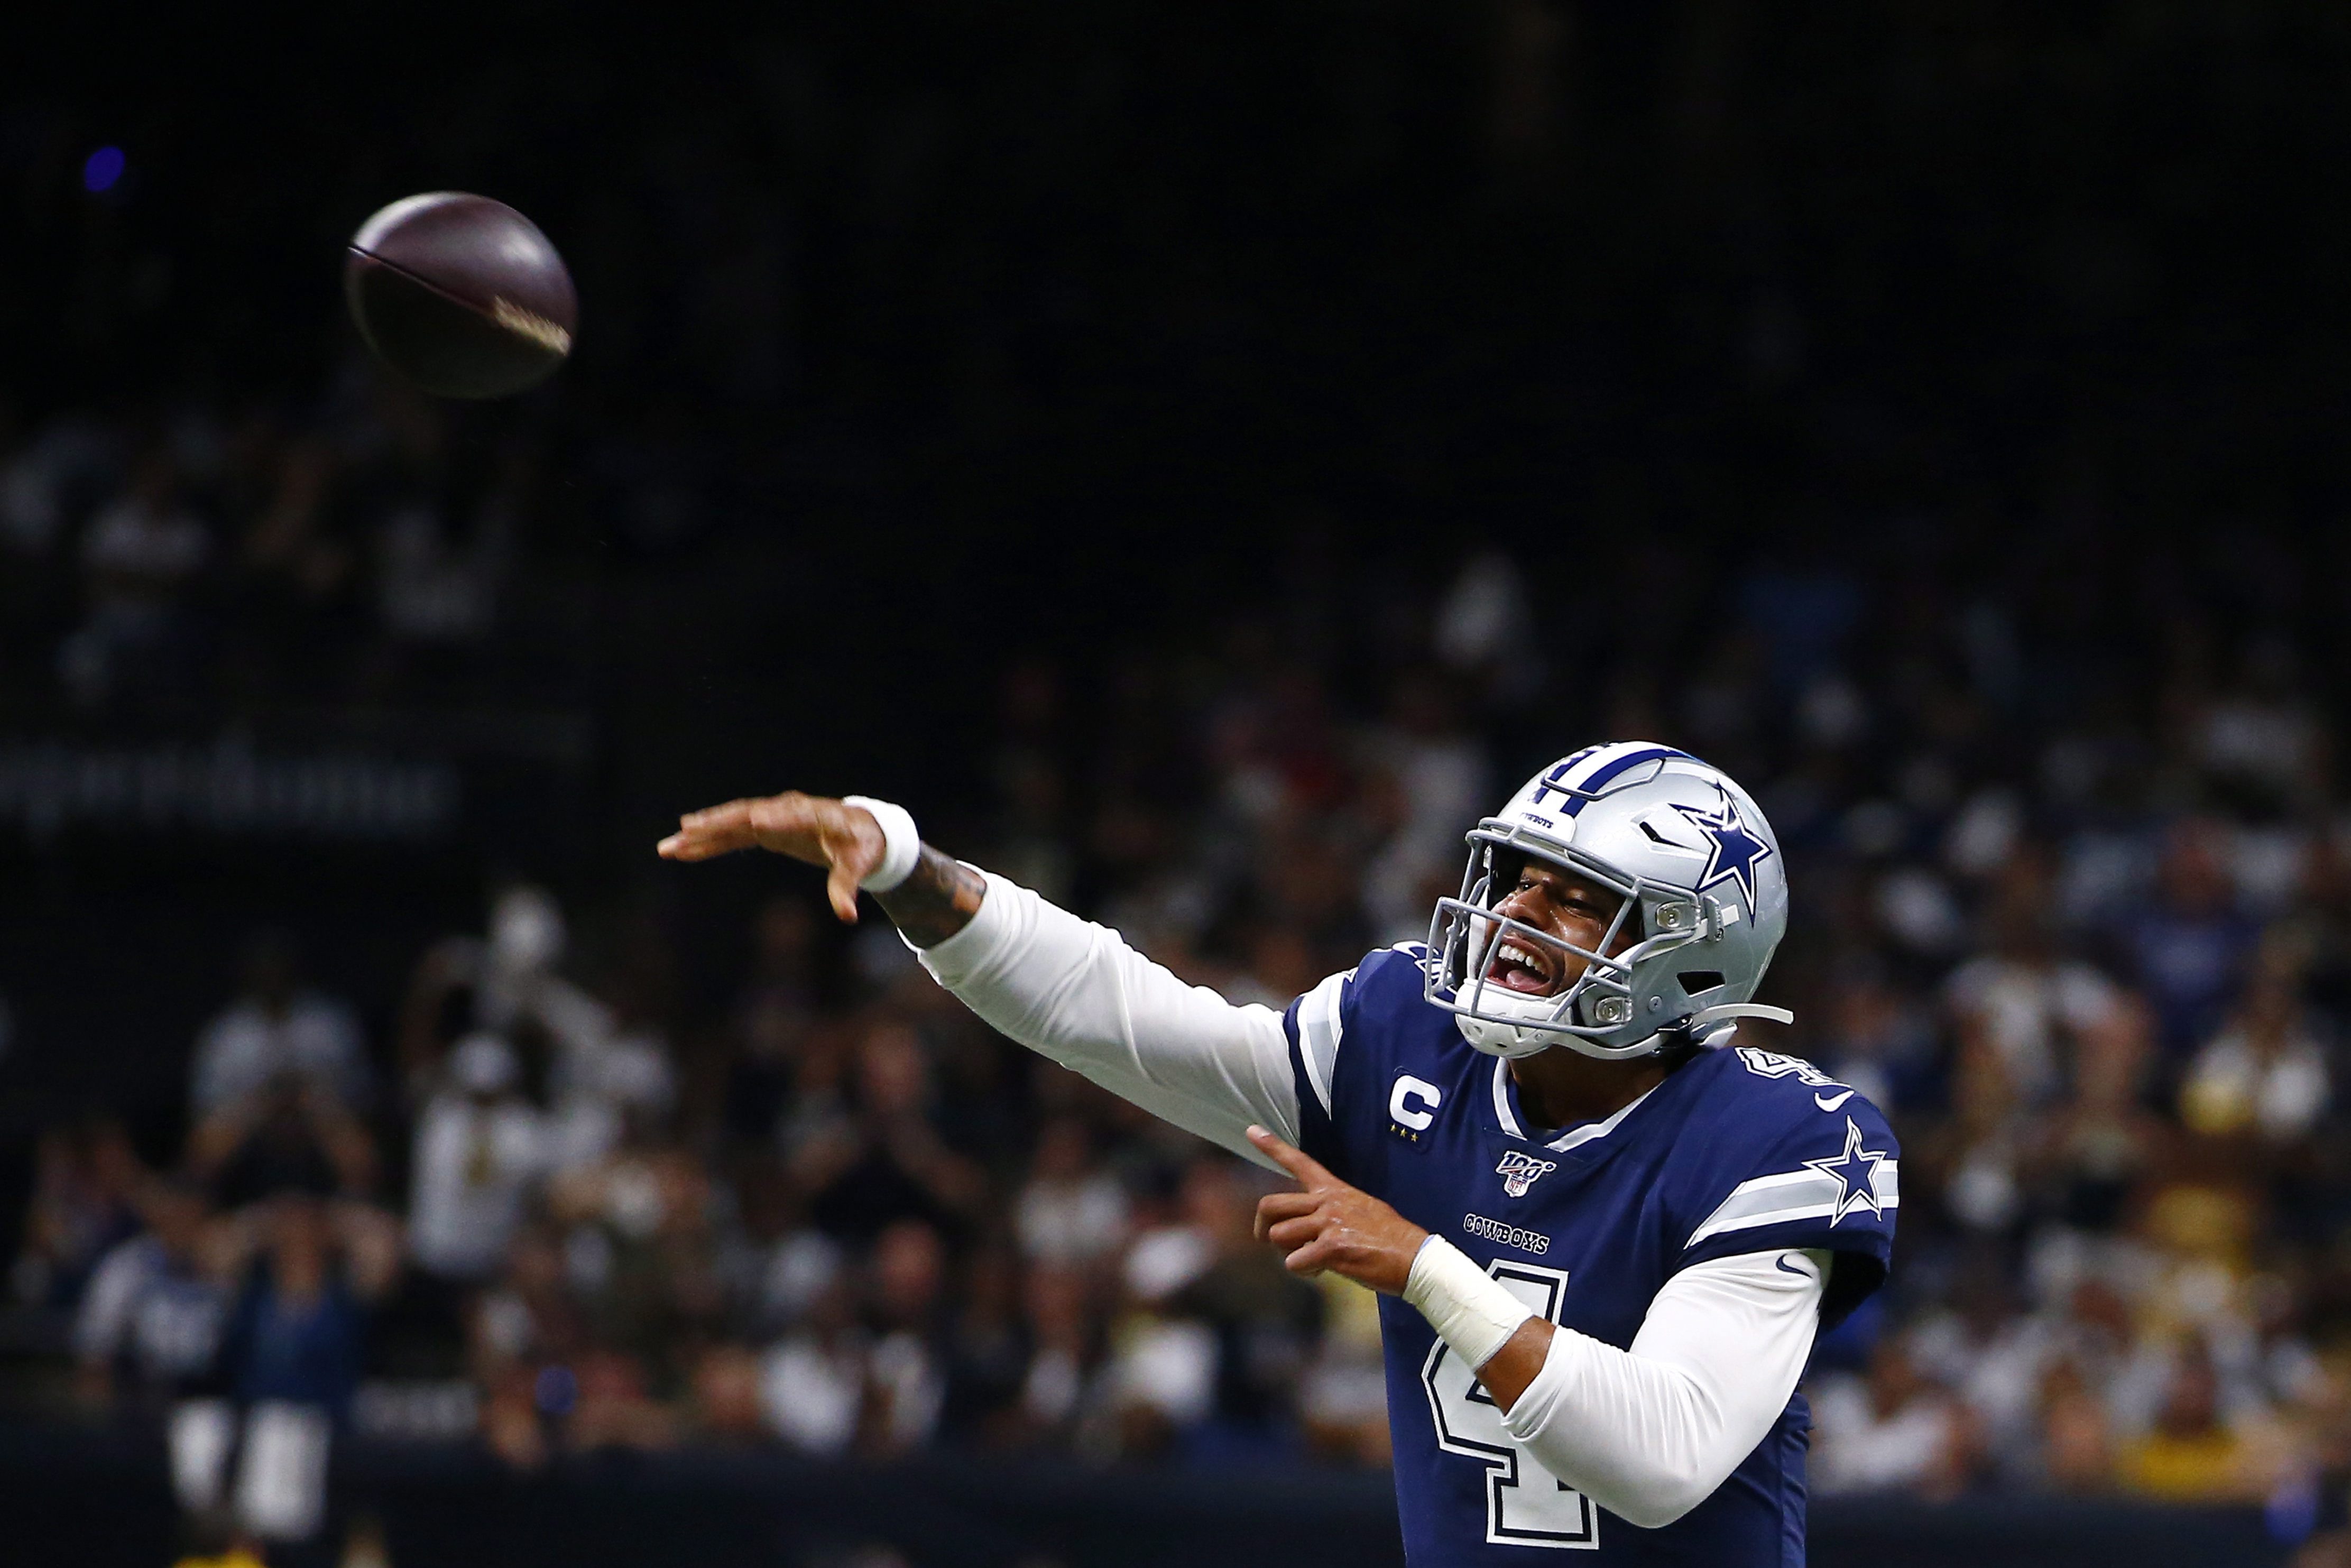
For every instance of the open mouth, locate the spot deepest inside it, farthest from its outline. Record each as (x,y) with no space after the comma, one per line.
(1522,967)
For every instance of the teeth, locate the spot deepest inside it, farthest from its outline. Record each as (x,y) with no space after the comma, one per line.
(1511,951)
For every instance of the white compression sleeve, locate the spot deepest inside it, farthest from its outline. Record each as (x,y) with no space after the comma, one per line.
(1650,1433)
(1076,992)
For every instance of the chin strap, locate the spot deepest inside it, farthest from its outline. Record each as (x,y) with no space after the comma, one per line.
(1702,1026)
(1705,1025)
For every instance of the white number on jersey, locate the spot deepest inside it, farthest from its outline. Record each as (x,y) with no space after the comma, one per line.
(1525,1504)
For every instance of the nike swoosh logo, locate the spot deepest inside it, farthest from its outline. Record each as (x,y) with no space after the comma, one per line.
(1799,1273)
(1831,1104)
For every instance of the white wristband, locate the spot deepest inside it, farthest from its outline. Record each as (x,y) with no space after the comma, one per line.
(902,846)
(1470,1309)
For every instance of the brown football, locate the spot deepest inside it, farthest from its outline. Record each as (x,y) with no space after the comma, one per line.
(461,294)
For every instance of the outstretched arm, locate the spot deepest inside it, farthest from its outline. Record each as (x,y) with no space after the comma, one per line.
(1067,988)
(936,900)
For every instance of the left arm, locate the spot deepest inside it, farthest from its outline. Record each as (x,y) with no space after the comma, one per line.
(1648,1433)
(1651,1431)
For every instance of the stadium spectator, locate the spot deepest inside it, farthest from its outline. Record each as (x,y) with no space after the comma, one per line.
(2266,1074)
(813,1382)
(886,1158)
(2192,947)
(297,1331)
(2098,1144)
(290,1362)
(277,1028)
(1072,1211)
(479,1152)
(86,1182)
(1062,1392)
(287,1134)
(988,1351)
(908,1364)
(1891,1430)
(774,1014)
(2024,1002)
(2195,1453)
(150,1324)
(140,556)
(1343,1395)
(726,1399)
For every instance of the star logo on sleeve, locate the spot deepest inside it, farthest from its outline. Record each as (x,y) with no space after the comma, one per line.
(1732,848)
(1855,1173)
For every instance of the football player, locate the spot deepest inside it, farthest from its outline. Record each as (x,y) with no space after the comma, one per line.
(1604,1233)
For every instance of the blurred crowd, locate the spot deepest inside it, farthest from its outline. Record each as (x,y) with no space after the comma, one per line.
(174,563)
(1971,534)
(2081,921)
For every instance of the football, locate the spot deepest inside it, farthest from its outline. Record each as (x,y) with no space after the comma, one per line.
(461,294)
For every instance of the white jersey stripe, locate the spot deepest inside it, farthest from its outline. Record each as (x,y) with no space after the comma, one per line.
(1792,1195)
(1319,1029)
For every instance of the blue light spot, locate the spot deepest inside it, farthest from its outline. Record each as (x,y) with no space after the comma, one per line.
(555,1391)
(103,169)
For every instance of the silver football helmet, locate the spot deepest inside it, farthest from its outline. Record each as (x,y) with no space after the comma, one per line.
(1704,898)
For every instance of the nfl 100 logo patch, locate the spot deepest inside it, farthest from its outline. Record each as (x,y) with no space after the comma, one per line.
(1521,1171)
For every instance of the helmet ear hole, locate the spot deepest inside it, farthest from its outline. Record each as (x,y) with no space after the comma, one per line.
(1698,982)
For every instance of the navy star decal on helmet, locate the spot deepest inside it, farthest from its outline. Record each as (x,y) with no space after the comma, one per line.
(1704,904)
(1732,850)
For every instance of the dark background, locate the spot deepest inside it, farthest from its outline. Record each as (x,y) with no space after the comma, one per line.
(916,337)
(923,342)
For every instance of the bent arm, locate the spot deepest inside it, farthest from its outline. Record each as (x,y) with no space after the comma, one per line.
(1075,993)
(1650,1433)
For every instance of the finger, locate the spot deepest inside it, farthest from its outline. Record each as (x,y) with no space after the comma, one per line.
(853,844)
(1296,1161)
(720,830)
(840,887)
(1311,1259)
(1275,1207)
(690,847)
(1291,1234)
(729,815)
(699,843)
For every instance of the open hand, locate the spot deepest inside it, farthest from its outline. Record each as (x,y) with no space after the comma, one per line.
(1331,1225)
(812,828)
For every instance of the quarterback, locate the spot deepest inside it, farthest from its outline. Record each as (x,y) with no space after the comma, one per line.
(1605,1232)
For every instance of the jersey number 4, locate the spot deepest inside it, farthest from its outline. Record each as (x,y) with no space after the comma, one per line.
(1525,1504)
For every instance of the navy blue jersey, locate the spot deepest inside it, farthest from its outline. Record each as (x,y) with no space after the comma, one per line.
(1739,1150)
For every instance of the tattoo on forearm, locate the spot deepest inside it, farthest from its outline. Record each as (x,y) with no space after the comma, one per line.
(937,900)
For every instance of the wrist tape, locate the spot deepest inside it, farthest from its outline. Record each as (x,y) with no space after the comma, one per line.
(902,846)
(1470,1309)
